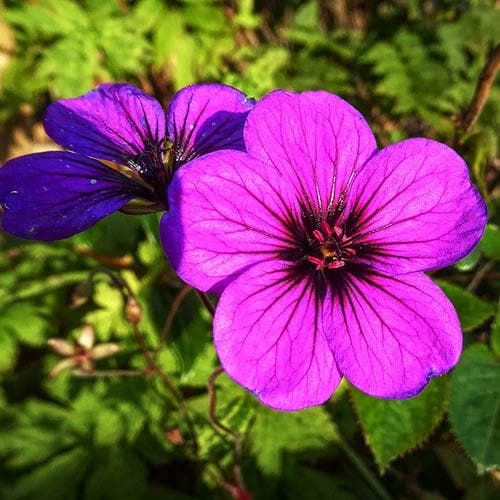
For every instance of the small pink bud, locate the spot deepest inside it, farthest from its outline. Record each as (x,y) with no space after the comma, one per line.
(174,436)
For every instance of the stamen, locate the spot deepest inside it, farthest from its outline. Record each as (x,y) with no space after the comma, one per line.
(319,263)
(319,236)
(335,264)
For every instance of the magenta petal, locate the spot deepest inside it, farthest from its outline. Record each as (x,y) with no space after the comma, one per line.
(207,117)
(390,335)
(50,196)
(269,338)
(227,212)
(114,122)
(316,140)
(417,207)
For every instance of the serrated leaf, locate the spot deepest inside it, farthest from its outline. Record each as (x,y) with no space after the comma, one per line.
(23,320)
(275,433)
(395,427)
(474,406)
(108,319)
(472,311)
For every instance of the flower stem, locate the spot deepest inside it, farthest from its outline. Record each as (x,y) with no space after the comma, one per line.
(212,413)
(206,302)
(365,471)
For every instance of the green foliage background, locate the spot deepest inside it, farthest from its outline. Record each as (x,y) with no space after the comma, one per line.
(411,68)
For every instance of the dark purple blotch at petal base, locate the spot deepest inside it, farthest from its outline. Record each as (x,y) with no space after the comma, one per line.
(207,117)
(114,122)
(53,195)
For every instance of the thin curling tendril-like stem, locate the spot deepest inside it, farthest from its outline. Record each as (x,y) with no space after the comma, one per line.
(212,412)
(127,294)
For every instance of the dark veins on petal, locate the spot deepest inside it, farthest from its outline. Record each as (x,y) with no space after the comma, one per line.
(221,130)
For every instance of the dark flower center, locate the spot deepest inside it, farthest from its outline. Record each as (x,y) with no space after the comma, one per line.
(330,247)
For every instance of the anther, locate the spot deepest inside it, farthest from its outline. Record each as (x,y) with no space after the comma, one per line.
(319,236)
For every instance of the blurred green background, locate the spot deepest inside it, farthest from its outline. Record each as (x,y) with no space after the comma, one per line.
(116,430)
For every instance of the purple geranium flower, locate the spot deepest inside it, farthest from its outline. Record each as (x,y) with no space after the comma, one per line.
(124,152)
(318,243)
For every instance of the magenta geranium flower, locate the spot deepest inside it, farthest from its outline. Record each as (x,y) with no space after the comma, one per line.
(124,151)
(318,243)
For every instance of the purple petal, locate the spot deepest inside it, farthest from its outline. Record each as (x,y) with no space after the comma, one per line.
(50,196)
(316,140)
(390,335)
(207,117)
(269,338)
(415,204)
(114,122)
(228,211)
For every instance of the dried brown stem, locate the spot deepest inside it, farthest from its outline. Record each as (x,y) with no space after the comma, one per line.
(483,87)
(481,273)
(108,373)
(124,262)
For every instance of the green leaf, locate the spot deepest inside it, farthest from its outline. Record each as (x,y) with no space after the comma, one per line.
(490,243)
(305,482)
(108,319)
(470,262)
(175,48)
(474,406)
(56,479)
(8,352)
(472,311)
(495,334)
(117,474)
(276,433)
(23,320)
(109,428)
(395,427)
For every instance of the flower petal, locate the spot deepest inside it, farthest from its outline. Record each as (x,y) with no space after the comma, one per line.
(50,196)
(269,338)
(207,117)
(227,211)
(391,334)
(114,122)
(415,204)
(316,140)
